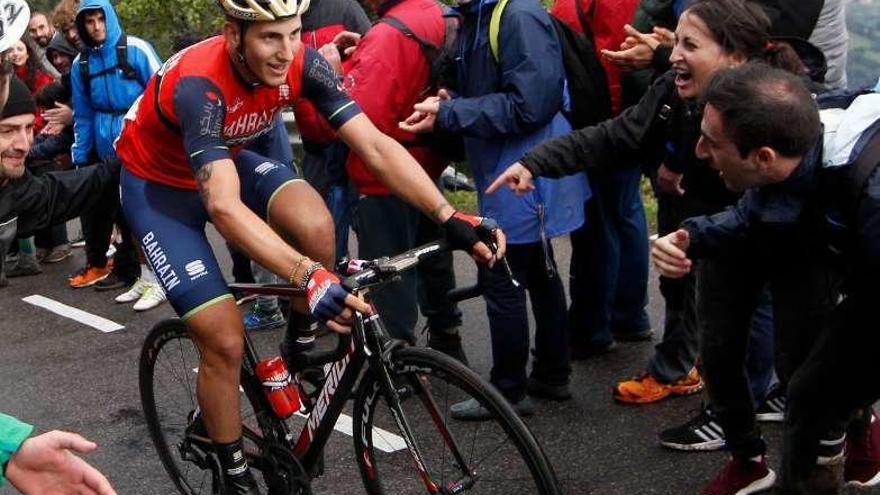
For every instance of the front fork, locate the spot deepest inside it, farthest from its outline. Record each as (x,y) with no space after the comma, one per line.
(375,338)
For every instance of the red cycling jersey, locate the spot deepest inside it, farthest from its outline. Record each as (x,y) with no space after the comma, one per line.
(198,109)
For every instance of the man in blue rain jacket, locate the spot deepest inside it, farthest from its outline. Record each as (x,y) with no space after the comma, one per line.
(107,77)
(505,106)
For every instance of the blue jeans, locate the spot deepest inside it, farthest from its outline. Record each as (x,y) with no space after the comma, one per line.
(609,262)
(509,324)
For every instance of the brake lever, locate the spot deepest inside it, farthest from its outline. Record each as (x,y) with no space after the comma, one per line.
(486,233)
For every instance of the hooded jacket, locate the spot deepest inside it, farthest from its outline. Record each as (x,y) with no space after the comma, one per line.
(506,108)
(100,105)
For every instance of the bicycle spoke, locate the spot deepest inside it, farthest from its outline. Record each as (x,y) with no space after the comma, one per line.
(462,456)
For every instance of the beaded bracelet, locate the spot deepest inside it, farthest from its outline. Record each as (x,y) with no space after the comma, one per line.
(308,274)
(292,276)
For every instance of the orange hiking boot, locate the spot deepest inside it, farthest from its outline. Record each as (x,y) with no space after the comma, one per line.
(645,389)
(88,276)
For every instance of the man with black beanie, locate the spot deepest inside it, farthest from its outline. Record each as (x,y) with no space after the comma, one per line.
(29,203)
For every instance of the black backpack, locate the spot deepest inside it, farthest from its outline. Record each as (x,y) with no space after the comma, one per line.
(122,63)
(587,84)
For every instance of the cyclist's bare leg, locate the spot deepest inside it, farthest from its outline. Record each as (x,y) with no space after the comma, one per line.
(301,217)
(218,332)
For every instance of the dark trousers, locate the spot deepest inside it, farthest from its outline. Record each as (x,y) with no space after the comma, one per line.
(835,380)
(97,225)
(677,352)
(730,289)
(609,261)
(509,324)
(386,226)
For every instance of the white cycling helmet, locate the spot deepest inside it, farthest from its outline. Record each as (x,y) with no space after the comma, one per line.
(14,18)
(263,10)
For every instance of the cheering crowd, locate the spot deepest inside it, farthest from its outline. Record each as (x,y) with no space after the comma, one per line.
(761,158)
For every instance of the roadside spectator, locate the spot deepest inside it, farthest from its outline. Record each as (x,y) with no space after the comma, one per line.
(64,21)
(29,69)
(103,90)
(609,259)
(806,219)
(41,32)
(49,152)
(711,35)
(59,117)
(822,22)
(506,106)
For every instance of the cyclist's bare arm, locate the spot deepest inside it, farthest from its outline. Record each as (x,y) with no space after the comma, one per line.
(402,174)
(219,186)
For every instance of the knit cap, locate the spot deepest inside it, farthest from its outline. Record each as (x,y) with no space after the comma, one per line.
(20,100)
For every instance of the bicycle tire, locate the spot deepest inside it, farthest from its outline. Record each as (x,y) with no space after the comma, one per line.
(167,425)
(396,472)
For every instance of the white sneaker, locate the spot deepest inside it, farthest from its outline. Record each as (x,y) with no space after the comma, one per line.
(153,296)
(134,292)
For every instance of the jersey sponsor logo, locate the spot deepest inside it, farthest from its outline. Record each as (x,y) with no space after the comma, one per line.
(159,261)
(284,92)
(210,123)
(196,269)
(249,123)
(321,72)
(266,167)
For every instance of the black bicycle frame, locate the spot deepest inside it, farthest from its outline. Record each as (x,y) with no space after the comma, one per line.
(365,347)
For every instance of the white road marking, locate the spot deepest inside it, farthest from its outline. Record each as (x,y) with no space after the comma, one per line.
(84,317)
(383,440)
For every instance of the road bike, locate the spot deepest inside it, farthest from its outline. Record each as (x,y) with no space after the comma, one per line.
(392,398)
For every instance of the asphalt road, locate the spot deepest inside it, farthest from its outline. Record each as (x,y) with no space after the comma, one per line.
(60,374)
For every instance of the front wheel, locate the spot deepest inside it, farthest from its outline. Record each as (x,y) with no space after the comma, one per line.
(497,456)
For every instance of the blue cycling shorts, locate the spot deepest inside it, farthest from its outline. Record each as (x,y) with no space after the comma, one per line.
(169,223)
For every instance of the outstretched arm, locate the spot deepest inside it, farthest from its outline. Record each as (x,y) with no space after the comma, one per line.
(59,196)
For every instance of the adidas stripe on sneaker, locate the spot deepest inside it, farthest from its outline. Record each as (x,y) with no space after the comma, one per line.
(701,432)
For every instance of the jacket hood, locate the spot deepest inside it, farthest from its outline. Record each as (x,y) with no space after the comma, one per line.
(59,43)
(114,30)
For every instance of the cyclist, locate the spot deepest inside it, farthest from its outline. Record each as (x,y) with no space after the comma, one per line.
(185,135)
